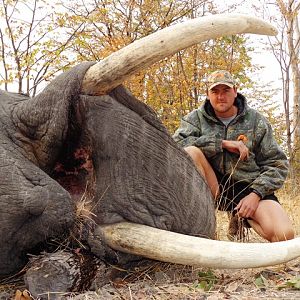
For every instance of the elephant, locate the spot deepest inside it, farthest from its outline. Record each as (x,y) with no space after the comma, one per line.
(85,137)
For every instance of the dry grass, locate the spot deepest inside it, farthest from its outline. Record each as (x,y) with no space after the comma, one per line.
(289,197)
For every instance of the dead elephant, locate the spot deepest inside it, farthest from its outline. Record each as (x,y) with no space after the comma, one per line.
(87,135)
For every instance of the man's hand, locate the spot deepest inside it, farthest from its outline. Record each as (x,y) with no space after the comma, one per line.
(248,205)
(236,147)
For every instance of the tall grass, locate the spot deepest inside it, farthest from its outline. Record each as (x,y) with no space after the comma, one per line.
(289,197)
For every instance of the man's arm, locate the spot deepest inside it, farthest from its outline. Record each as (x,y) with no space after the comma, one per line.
(236,147)
(248,205)
(272,161)
(189,130)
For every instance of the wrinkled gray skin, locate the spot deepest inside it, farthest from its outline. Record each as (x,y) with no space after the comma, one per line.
(138,172)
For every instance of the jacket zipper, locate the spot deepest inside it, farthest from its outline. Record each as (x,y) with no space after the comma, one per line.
(224,151)
(225,138)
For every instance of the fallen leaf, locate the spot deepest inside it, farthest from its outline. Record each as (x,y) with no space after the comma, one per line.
(25,295)
(232,287)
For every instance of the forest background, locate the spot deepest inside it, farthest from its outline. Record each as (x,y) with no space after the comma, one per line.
(40,38)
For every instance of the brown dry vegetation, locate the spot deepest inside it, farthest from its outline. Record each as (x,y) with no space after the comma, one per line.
(166,281)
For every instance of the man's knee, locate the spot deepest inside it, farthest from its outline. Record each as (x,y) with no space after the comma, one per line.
(197,156)
(191,149)
(204,168)
(274,221)
(195,153)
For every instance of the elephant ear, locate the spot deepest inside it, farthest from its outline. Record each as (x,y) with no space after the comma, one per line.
(45,121)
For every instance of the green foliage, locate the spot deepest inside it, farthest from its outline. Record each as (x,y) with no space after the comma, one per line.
(261,282)
(206,281)
(293,283)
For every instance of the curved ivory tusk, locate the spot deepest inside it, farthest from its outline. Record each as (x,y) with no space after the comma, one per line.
(177,248)
(114,69)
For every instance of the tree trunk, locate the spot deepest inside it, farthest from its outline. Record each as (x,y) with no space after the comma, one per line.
(294,48)
(52,275)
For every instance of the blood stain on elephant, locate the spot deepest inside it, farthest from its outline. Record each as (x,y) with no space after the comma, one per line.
(74,171)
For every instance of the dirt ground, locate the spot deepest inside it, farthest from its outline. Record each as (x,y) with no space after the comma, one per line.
(173,282)
(161,281)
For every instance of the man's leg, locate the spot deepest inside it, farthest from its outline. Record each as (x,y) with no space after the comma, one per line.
(271,222)
(204,168)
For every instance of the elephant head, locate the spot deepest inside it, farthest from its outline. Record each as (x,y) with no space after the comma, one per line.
(86,135)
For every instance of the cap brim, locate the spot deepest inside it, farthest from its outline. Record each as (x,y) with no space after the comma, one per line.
(220,82)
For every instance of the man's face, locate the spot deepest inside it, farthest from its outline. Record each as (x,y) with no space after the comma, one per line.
(222,98)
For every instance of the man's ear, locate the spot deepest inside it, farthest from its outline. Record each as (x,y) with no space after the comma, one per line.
(235,89)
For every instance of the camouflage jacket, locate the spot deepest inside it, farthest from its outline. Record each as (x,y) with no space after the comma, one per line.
(267,166)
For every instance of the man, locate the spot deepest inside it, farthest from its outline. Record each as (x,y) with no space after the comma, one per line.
(233,147)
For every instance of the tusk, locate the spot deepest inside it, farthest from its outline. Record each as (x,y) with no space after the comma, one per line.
(119,66)
(177,248)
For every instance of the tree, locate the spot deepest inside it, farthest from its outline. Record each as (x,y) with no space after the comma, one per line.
(290,12)
(33,43)
(286,47)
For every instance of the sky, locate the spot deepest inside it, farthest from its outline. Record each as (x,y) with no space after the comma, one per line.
(264,58)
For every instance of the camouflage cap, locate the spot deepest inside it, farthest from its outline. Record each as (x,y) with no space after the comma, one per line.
(220,77)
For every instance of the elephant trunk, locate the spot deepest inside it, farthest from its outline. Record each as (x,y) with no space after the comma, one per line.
(177,248)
